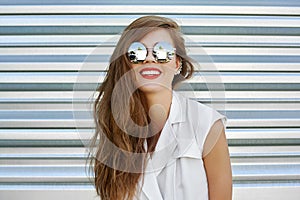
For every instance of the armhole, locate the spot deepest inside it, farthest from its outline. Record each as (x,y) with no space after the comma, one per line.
(219,126)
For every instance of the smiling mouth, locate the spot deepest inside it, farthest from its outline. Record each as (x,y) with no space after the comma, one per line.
(150,73)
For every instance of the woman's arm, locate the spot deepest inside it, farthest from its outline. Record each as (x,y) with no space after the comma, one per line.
(218,167)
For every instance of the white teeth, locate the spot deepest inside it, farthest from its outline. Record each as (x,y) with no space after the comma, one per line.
(151,72)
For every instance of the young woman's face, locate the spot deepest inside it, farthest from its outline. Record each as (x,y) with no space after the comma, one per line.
(151,75)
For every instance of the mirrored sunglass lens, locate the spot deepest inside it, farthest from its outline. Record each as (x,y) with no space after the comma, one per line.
(163,51)
(137,52)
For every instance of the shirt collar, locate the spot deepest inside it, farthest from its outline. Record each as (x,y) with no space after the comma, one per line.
(177,115)
(178,108)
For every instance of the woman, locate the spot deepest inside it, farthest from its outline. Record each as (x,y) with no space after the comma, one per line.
(151,142)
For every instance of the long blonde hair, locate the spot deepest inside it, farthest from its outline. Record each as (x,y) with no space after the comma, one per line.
(112,183)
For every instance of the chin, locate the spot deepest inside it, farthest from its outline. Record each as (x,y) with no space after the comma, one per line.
(152,88)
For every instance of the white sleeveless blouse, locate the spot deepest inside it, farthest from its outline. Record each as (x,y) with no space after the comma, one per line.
(176,170)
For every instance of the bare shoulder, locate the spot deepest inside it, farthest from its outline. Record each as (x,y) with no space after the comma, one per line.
(217,130)
(217,165)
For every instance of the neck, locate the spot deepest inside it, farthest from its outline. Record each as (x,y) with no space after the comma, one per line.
(159,104)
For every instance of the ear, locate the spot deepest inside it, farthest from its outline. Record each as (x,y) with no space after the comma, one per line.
(178,61)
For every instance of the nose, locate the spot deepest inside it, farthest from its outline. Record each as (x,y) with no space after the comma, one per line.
(150,58)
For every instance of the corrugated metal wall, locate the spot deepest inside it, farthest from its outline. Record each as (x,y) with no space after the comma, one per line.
(255,45)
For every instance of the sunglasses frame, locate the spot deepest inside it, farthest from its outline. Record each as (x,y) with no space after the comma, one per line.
(162,51)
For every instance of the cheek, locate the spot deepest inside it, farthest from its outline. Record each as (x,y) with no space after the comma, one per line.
(174,62)
(135,67)
(132,66)
(169,71)
(171,66)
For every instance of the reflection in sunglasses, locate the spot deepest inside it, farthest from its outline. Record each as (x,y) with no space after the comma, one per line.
(163,52)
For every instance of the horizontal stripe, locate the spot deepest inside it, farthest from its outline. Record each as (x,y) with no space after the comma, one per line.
(150,9)
(109,50)
(166,2)
(123,20)
(105,58)
(102,66)
(194,40)
(205,30)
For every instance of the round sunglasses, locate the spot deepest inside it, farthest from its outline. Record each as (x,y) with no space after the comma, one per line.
(163,52)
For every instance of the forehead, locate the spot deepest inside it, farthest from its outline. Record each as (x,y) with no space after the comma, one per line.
(155,36)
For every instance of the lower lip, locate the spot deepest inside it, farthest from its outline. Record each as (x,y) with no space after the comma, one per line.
(148,76)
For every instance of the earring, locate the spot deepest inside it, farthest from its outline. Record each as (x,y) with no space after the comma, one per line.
(179,69)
